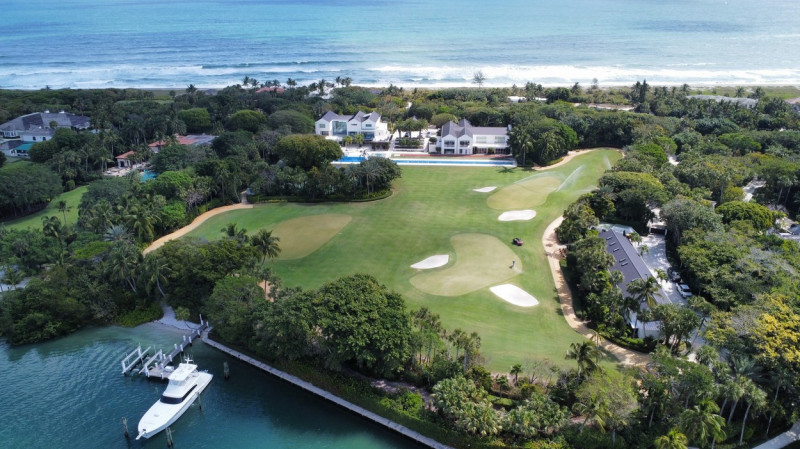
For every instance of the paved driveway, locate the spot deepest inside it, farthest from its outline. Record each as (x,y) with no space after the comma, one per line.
(657,258)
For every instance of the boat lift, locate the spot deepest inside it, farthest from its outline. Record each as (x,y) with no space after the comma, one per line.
(157,365)
(130,361)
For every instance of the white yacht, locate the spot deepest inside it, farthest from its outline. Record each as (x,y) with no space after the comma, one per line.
(185,385)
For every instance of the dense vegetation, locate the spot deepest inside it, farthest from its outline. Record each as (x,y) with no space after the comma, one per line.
(744,276)
(743,384)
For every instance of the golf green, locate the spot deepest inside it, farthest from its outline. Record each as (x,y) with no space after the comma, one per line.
(435,210)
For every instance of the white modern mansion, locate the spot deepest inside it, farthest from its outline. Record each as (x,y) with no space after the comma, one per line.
(463,138)
(334,126)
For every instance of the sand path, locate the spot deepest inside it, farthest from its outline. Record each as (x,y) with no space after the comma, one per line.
(193,225)
(570,155)
(552,248)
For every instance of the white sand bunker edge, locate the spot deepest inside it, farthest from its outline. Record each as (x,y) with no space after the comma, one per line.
(514,295)
(432,262)
(485,189)
(514,215)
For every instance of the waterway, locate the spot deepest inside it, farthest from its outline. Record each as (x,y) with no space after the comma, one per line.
(70,393)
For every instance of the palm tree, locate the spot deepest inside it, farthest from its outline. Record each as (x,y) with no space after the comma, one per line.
(616,277)
(478,78)
(585,354)
(63,207)
(143,223)
(266,244)
(12,277)
(470,343)
(645,290)
(455,337)
(515,370)
(321,85)
(371,171)
(703,422)
(155,274)
(230,230)
(358,139)
(51,227)
(674,439)
(123,262)
(116,233)
(753,396)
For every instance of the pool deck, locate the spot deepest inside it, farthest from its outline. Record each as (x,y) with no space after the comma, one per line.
(422,158)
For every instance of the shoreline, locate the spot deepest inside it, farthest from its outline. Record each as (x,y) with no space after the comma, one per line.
(310,388)
(438,86)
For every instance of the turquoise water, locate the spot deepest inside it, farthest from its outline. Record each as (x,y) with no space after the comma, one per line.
(70,393)
(213,43)
(148,175)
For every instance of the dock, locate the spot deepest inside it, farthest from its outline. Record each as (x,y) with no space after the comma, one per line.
(157,365)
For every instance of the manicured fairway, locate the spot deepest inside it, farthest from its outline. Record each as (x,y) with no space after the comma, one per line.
(434,210)
(73,198)
(529,192)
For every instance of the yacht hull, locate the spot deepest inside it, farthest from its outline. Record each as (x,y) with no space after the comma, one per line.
(161,415)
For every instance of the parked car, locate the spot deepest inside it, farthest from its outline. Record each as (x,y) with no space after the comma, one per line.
(684,290)
(673,274)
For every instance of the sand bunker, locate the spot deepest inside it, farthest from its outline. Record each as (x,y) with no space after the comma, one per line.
(515,215)
(514,295)
(485,189)
(432,262)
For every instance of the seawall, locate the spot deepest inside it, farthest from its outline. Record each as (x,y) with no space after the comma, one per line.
(405,431)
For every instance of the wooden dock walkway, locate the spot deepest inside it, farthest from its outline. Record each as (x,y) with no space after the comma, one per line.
(405,431)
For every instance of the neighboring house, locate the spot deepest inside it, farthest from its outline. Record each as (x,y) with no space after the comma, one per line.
(43,120)
(463,138)
(275,89)
(628,261)
(37,135)
(334,126)
(741,101)
(124,161)
(795,104)
(16,148)
(611,107)
(189,140)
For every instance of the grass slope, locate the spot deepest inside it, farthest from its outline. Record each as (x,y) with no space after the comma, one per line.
(34,221)
(434,210)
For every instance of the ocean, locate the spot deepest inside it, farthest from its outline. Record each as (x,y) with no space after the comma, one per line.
(70,393)
(430,43)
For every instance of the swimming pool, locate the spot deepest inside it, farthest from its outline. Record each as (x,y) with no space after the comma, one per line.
(432,161)
(148,175)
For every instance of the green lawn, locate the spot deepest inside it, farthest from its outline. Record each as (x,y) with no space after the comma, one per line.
(434,210)
(73,198)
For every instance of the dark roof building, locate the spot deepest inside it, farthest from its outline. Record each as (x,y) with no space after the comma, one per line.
(43,120)
(628,261)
